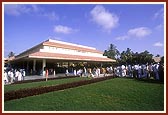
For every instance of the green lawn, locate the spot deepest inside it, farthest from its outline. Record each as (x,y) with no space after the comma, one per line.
(41,83)
(118,94)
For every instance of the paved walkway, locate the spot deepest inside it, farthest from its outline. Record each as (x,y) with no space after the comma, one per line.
(57,75)
(32,77)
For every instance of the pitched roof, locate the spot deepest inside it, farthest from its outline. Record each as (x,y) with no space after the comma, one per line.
(71,46)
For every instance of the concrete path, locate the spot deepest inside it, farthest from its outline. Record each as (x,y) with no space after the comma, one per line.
(32,77)
(57,75)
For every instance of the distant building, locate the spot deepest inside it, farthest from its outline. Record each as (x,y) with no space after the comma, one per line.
(157,59)
(53,53)
(7,62)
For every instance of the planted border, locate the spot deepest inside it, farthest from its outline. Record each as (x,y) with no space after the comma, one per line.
(40,90)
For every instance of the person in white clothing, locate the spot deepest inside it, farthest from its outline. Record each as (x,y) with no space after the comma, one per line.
(75,72)
(16,75)
(123,70)
(9,73)
(5,77)
(11,76)
(156,71)
(139,72)
(98,72)
(85,71)
(20,76)
(67,72)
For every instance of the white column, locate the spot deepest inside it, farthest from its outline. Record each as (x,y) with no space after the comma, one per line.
(54,72)
(44,64)
(34,65)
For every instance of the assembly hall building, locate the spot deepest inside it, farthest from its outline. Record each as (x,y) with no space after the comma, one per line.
(56,55)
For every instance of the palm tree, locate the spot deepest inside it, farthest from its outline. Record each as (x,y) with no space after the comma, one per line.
(112,52)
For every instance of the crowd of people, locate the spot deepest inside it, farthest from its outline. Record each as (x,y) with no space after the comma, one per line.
(148,71)
(91,72)
(155,71)
(11,75)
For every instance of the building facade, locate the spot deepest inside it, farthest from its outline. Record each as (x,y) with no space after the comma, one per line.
(52,54)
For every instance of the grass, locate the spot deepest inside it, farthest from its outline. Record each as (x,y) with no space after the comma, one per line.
(13,87)
(119,94)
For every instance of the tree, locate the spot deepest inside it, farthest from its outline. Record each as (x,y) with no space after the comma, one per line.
(112,52)
(11,54)
(129,57)
(142,58)
(126,57)
(135,58)
(146,57)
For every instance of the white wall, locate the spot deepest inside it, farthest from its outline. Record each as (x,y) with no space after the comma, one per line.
(52,49)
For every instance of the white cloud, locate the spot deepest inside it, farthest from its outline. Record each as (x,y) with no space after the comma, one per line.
(122,37)
(51,16)
(135,33)
(104,18)
(159,13)
(18,9)
(159,27)
(139,32)
(64,29)
(158,44)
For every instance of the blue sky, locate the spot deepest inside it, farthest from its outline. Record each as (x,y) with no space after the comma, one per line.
(136,26)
